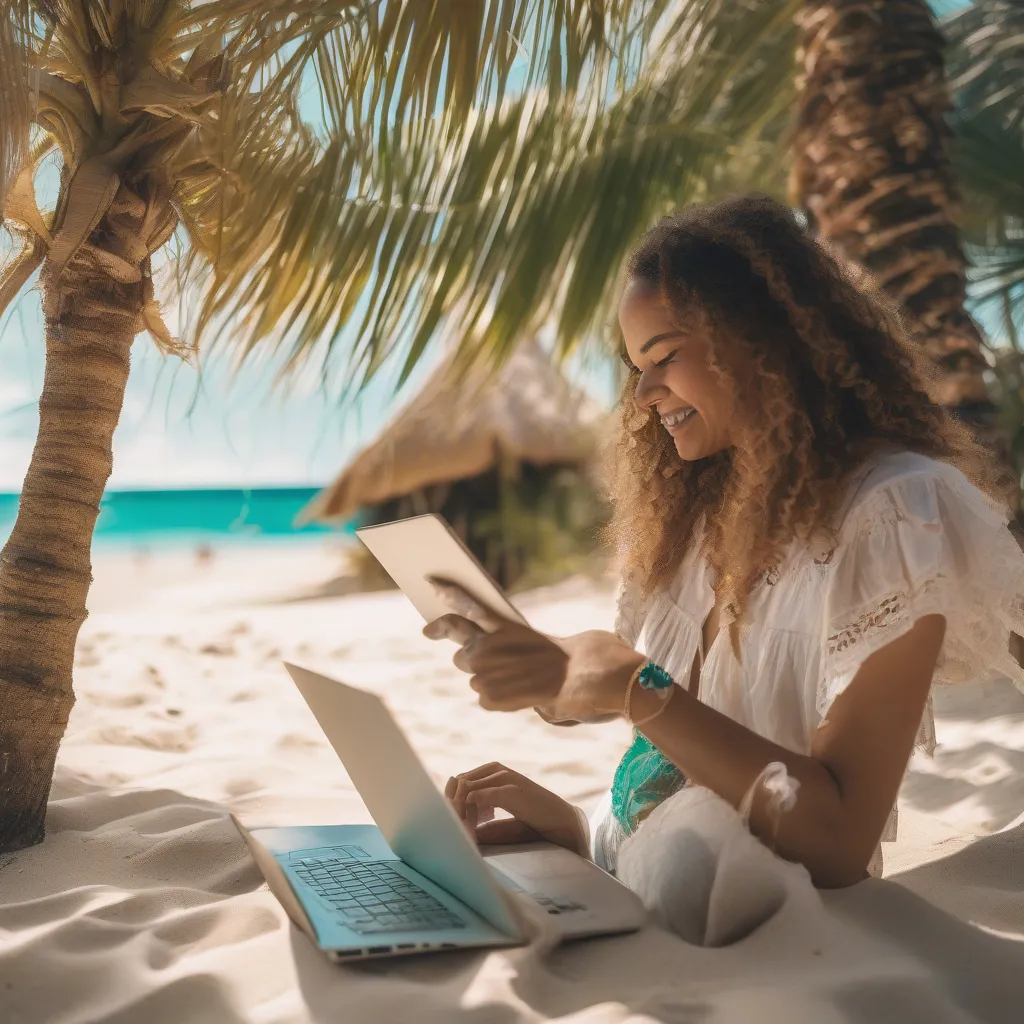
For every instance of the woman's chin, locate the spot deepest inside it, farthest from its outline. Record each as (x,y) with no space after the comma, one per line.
(693,441)
(695,449)
(691,450)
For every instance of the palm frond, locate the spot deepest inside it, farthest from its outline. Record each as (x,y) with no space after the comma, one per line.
(426,59)
(16,271)
(990,166)
(521,213)
(15,91)
(483,163)
(985,61)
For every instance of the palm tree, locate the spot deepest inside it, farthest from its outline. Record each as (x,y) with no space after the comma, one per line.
(338,178)
(872,166)
(986,60)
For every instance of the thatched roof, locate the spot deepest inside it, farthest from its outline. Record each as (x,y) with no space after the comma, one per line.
(453,430)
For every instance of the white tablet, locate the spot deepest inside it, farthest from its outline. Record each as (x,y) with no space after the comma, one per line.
(414,551)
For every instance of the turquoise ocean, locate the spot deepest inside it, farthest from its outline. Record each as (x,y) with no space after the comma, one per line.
(215,517)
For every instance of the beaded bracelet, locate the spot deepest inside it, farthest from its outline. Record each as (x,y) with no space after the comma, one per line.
(650,677)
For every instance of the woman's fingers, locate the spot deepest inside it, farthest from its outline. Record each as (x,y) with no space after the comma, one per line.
(459,786)
(456,628)
(505,830)
(467,811)
(536,812)
(464,604)
(500,791)
(511,690)
(491,699)
(474,811)
(506,656)
(485,770)
(543,814)
(459,800)
(512,666)
(462,659)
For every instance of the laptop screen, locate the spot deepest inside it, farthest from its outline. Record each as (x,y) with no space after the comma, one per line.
(417,821)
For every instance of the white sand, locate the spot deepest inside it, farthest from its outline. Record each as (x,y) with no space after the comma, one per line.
(143,904)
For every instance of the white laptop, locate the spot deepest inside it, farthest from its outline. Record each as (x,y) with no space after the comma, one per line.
(417,881)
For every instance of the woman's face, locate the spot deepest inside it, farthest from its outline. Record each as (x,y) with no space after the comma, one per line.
(676,379)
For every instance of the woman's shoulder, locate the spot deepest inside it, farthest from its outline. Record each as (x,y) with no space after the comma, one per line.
(907,485)
(920,539)
(891,466)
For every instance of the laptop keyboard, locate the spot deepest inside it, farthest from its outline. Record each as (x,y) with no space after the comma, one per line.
(372,897)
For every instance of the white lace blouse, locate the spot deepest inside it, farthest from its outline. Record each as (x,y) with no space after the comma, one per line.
(916,538)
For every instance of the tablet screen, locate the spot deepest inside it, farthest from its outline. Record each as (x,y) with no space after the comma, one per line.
(413,551)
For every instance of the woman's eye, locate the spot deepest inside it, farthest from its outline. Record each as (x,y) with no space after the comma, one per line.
(668,359)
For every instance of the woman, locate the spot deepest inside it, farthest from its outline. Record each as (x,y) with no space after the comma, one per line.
(801,543)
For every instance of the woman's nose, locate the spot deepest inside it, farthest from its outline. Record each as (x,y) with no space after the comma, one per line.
(647,392)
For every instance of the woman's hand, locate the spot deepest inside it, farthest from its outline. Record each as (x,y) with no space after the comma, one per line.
(537,812)
(581,678)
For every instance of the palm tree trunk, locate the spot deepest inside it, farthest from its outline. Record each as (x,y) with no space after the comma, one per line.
(45,568)
(872,168)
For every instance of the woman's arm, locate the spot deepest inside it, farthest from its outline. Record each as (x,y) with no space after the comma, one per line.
(850,779)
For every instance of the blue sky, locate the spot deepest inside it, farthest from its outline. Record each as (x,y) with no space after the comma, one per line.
(185,426)
(181,427)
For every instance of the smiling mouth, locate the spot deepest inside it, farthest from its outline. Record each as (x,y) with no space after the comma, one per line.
(677,418)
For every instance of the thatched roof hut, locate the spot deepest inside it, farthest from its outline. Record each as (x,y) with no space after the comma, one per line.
(452,430)
(469,447)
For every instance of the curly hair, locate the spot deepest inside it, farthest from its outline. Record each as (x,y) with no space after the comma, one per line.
(802,338)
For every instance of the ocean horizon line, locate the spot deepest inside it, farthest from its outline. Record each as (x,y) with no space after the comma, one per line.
(206,516)
(204,488)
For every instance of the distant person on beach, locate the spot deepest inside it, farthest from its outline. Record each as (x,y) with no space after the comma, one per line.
(806,543)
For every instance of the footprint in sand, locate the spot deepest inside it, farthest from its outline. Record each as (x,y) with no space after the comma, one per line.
(296,741)
(220,649)
(155,677)
(176,739)
(241,787)
(115,700)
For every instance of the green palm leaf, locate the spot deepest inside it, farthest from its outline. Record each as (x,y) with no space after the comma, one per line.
(514,214)
(986,64)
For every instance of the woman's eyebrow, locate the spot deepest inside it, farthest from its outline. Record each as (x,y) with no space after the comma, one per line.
(648,345)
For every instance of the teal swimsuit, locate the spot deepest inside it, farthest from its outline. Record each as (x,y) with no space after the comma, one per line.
(644,778)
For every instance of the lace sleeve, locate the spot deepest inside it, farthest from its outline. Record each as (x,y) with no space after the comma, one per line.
(929,543)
